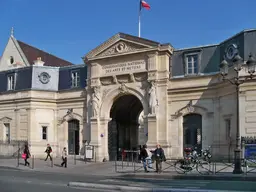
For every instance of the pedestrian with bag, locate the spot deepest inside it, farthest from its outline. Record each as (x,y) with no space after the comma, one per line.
(48,152)
(26,155)
(64,157)
(145,155)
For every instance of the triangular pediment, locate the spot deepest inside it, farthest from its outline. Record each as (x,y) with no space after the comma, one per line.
(5,119)
(120,44)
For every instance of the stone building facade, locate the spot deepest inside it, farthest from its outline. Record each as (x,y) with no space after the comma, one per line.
(129,92)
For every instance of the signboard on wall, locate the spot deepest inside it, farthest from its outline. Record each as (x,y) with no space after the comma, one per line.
(124,67)
(89,152)
(250,151)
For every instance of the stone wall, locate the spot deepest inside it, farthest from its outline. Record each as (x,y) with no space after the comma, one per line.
(28,111)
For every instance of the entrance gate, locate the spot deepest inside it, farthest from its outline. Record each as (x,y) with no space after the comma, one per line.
(123,129)
(192,131)
(73,137)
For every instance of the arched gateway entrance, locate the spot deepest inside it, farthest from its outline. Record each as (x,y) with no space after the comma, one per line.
(123,128)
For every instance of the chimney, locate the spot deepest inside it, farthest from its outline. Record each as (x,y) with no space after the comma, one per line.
(39,62)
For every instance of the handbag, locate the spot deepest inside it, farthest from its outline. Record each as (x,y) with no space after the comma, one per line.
(23,156)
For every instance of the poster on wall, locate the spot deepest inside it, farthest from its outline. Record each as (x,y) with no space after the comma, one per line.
(250,151)
(89,152)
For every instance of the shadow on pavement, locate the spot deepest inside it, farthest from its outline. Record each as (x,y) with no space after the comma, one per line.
(193,177)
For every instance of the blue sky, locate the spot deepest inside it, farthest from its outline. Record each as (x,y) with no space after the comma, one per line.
(69,29)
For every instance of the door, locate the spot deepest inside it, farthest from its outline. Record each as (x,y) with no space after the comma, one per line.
(73,137)
(192,131)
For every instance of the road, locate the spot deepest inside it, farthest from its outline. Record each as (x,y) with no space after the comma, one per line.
(12,180)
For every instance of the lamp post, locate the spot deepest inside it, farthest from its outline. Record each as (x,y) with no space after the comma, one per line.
(237,81)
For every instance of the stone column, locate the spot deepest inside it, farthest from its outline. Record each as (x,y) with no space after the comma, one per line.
(96,139)
(17,122)
(162,114)
(55,124)
(81,137)
(32,128)
(104,130)
(152,131)
(152,60)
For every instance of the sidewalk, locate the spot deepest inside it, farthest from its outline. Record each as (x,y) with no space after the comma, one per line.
(109,169)
(78,168)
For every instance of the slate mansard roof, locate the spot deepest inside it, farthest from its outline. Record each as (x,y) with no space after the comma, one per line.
(212,55)
(32,53)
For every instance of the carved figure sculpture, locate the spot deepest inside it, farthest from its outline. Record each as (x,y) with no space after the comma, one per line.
(95,101)
(152,98)
(123,89)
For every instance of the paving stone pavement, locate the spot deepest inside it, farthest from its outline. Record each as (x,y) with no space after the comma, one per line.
(79,167)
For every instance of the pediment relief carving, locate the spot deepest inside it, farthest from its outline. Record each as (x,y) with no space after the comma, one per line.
(106,80)
(140,77)
(121,47)
(126,78)
(6,119)
(189,108)
(123,78)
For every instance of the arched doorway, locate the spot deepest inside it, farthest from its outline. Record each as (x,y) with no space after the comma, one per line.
(192,131)
(73,137)
(123,128)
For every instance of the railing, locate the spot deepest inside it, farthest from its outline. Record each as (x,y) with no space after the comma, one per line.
(130,163)
(11,149)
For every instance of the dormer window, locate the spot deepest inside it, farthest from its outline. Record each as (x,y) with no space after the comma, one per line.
(11,60)
(191,64)
(11,82)
(75,76)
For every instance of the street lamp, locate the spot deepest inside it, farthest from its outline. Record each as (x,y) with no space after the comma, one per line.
(237,81)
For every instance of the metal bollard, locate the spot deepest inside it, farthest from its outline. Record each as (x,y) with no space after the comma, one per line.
(116,164)
(95,157)
(33,162)
(122,161)
(18,158)
(52,162)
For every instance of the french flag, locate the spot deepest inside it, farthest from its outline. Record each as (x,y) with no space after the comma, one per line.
(144,4)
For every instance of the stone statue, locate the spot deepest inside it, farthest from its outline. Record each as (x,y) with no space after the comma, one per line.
(152,98)
(95,101)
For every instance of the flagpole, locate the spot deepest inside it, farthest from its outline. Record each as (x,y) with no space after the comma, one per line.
(139,16)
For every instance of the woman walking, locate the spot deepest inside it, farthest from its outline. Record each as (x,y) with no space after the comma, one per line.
(26,155)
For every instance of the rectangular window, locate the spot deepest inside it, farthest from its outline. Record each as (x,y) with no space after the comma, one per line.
(228,128)
(192,64)
(44,132)
(11,82)
(75,79)
(7,132)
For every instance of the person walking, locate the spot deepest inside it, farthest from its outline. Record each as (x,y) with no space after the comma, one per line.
(159,157)
(26,155)
(145,155)
(64,157)
(48,152)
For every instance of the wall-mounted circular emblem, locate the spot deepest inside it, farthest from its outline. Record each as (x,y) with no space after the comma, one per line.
(231,51)
(44,77)
(121,47)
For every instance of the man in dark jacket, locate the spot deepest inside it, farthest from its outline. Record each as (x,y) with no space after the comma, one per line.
(48,152)
(159,157)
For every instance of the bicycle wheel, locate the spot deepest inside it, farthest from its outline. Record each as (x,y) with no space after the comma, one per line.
(203,167)
(178,167)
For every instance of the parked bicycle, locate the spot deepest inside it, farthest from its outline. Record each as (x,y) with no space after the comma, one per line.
(206,154)
(191,162)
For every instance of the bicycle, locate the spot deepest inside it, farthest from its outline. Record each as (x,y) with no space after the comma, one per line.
(190,162)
